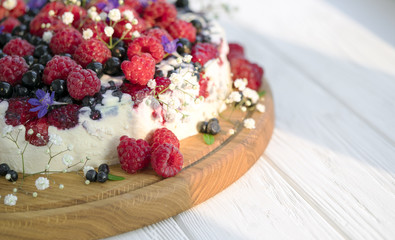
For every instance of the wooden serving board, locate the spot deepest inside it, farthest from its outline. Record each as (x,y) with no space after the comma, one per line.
(97,210)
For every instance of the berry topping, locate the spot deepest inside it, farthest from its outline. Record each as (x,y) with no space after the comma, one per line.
(50,23)
(184,47)
(104,168)
(64,117)
(182,29)
(9,24)
(58,67)
(140,69)
(161,84)
(146,44)
(213,127)
(4,168)
(158,33)
(203,84)
(12,69)
(91,175)
(162,135)
(160,14)
(235,51)
(203,52)
(37,132)
(55,6)
(91,50)
(77,11)
(96,67)
(82,82)
(65,41)
(136,91)
(112,66)
(5,90)
(102,177)
(121,28)
(96,27)
(18,47)
(242,68)
(133,154)
(30,79)
(167,160)
(13,175)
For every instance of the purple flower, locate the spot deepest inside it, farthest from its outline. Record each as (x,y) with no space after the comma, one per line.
(106,7)
(43,101)
(145,3)
(36,4)
(1,29)
(170,46)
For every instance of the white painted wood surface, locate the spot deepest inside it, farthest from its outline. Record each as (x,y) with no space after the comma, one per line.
(329,171)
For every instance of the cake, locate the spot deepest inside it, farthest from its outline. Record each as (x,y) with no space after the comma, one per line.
(159,67)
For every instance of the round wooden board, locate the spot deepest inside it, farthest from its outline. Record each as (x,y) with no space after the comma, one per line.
(97,210)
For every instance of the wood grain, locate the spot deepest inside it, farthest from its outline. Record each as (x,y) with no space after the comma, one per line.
(101,210)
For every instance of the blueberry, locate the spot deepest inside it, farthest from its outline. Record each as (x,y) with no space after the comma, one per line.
(104,168)
(14,175)
(28,37)
(112,66)
(37,41)
(213,127)
(45,58)
(5,90)
(25,19)
(66,55)
(198,66)
(19,30)
(4,168)
(33,12)
(29,59)
(203,38)
(5,38)
(59,86)
(30,79)
(102,176)
(185,47)
(88,101)
(91,175)
(95,114)
(182,3)
(96,67)
(40,50)
(159,73)
(66,99)
(198,25)
(202,127)
(119,44)
(38,68)
(119,52)
(20,91)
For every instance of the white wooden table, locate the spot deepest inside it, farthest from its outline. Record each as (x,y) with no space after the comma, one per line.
(329,171)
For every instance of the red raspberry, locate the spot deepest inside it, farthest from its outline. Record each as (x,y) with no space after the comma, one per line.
(64,117)
(167,160)
(235,51)
(242,68)
(19,9)
(203,84)
(182,29)
(19,47)
(146,44)
(135,4)
(158,33)
(160,14)
(12,69)
(39,137)
(136,91)
(162,135)
(91,50)
(77,11)
(18,112)
(120,29)
(92,25)
(203,52)
(35,25)
(56,6)
(133,154)
(9,24)
(65,41)
(140,69)
(161,84)
(82,83)
(58,67)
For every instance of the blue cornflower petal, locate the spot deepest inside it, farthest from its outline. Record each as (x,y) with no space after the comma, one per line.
(40,94)
(42,112)
(34,102)
(35,109)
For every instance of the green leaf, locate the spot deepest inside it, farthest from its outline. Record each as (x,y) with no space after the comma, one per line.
(115,178)
(261,93)
(208,139)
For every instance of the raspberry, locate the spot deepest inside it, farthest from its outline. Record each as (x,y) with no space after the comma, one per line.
(19,9)
(158,33)
(18,47)
(120,29)
(39,137)
(160,14)
(140,69)
(56,6)
(182,29)
(82,83)
(133,154)
(78,12)
(135,4)
(203,84)
(64,117)
(203,52)
(162,135)
(54,24)
(136,91)
(92,25)
(167,160)
(12,69)
(9,24)
(161,84)
(235,51)
(65,41)
(18,112)
(242,68)
(91,50)
(146,44)
(58,67)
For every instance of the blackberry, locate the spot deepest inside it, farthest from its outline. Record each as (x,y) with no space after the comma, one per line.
(19,30)
(91,175)
(29,59)
(112,66)
(119,52)
(96,67)
(38,68)
(185,47)
(4,168)
(14,175)
(20,91)
(198,25)
(202,127)
(102,177)
(104,168)
(5,38)
(5,90)
(40,50)
(31,79)
(95,114)
(213,127)
(59,86)
(45,58)
(182,3)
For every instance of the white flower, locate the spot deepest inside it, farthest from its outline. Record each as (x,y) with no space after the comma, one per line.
(48,25)
(9,4)
(176,78)
(55,139)
(243,108)
(87,34)
(260,107)
(67,159)
(249,123)
(251,94)
(42,25)
(70,147)
(47,36)
(30,132)
(7,129)
(103,16)
(61,186)
(135,34)
(86,169)
(240,83)
(231,131)
(155,103)
(187,58)
(67,18)
(93,15)
(97,19)
(172,86)
(114,15)
(109,31)
(34,194)
(51,13)
(42,183)
(135,21)
(151,83)
(129,26)
(179,60)
(128,15)
(234,97)
(10,199)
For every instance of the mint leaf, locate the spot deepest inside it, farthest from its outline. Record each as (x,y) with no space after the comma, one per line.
(261,93)
(208,139)
(115,178)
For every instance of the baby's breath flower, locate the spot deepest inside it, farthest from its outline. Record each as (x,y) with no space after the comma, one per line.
(30,132)
(231,131)
(55,139)
(109,31)
(10,199)
(103,16)
(47,36)
(42,25)
(87,34)
(67,18)
(187,58)
(48,25)
(42,183)
(151,84)
(172,86)
(15,190)
(114,15)
(7,129)
(251,94)
(260,107)
(135,34)
(87,182)
(128,26)
(128,15)
(86,169)
(234,96)
(8,176)
(34,194)
(67,160)
(97,19)
(9,4)
(249,123)
(93,15)
(135,21)
(240,83)
(51,13)
(61,186)
(243,108)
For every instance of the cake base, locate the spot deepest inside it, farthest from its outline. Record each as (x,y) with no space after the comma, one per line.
(97,210)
